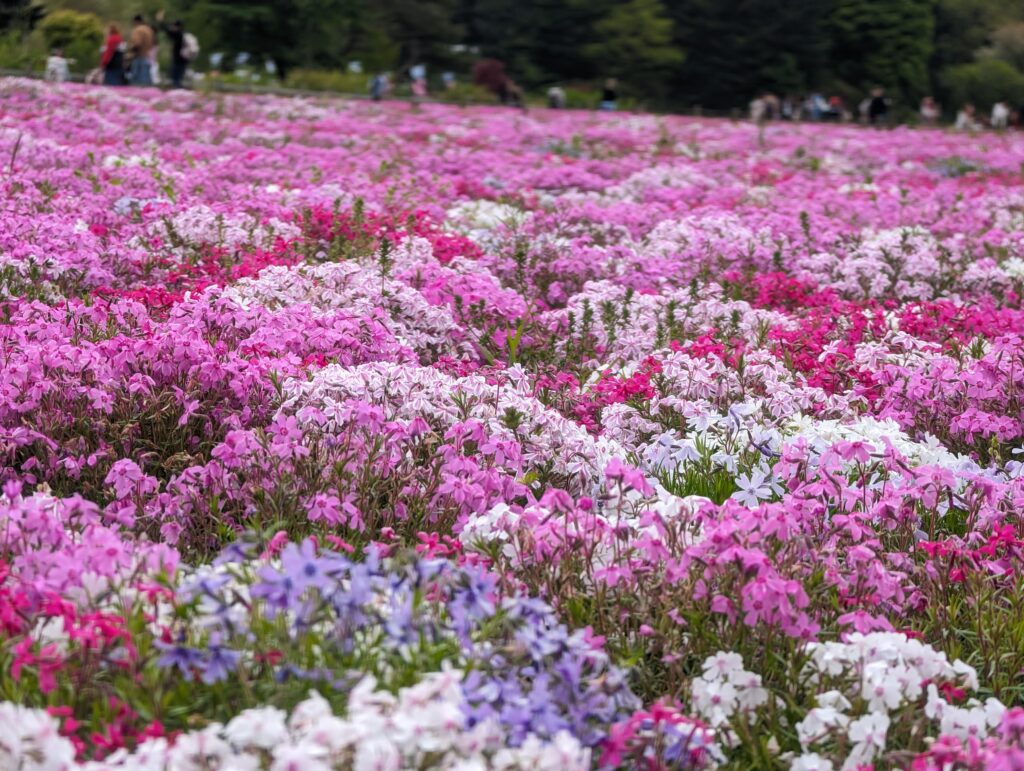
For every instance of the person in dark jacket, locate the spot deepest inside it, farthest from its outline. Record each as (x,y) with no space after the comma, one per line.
(176,34)
(878,108)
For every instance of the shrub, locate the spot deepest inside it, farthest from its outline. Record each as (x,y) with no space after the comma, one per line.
(984,83)
(80,35)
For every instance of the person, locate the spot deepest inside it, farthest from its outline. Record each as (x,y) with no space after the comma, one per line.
(836,109)
(863,108)
(929,111)
(112,59)
(379,86)
(609,96)
(140,45)
(556,98)
(878,108)
(515,95)
(57,70)
(179,61)
(1000,115)
(758,107)
(965,119)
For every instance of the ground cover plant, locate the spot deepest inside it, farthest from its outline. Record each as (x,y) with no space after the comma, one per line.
(345,435)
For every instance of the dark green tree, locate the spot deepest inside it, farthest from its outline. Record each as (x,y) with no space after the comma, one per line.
(424,30)
(540,41)
(635,42)
(292,33)
(20,15)
(738,48)
(887,43)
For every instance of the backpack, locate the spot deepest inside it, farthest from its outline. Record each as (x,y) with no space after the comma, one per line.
(189,47)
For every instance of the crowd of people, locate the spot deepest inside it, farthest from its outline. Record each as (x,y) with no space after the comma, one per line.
(875,109)
(133,61)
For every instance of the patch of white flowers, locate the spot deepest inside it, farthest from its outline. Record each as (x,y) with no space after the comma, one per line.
(870,687)
(423,726)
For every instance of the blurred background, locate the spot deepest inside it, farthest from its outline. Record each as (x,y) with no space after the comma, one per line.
(715,55)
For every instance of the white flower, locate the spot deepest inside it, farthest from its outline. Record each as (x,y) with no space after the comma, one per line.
(869,730)
(881,687)
(721,665)
(754,488)
(289,757)
(715,700)
(377,753)
(263,727)
(818,723)
(811,762)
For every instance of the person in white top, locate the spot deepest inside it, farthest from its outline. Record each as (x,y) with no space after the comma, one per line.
(929,111)
(1000,115)
(965,119)
(57,70)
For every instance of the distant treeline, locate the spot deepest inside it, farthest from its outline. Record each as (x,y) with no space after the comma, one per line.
(715,53)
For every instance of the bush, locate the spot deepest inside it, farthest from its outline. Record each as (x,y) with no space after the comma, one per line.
(984,83)
(328,80)
(80,35)
(19,52)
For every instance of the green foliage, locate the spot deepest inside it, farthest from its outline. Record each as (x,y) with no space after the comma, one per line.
(886,43)
(635,40)
(20,52)
(326,80)
(80,35)
(672,53)
(984,83)
(1007,44)
(19,15)
(738,48)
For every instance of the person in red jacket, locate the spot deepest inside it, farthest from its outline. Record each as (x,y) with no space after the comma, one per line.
(112,60)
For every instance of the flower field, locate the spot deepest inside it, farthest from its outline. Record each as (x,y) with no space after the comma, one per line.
(366,436)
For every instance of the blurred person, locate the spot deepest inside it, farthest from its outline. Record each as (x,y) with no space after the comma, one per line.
(929,111)
(863,108)
(965,120)
(556,98)
(57,69)
(609,96)
(140,46)
(816,107)
(1000,115)
(176,34)
(379,86)
(112,58)
(878,108)
(516,97)
(836,109)
(758,107)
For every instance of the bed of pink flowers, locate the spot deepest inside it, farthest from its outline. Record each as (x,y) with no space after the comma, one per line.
(357,436)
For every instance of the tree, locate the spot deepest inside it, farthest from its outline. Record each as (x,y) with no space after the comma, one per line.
(886,43)
(424,30)
(19,15)
(984,83)
(634,42)
(1007,45)
(738,48)
(78,34)
(292,33)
